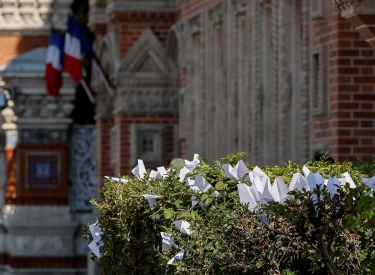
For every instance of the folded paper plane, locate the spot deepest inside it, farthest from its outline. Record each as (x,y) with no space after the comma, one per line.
(349,179)
(192,164)
(298,182)
(179,256)
(183,173)
(279,190)
(369,182)
(246,197)
(140,169)
(183,226)
(166,241)
(151,199)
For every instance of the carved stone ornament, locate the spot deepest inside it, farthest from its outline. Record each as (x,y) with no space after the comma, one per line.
(33,107)
(145,82)
(33,16)
(346,6)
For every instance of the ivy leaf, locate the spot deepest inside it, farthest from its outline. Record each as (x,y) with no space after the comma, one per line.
(177,164)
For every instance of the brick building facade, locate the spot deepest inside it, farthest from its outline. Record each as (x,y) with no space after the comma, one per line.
(277,79)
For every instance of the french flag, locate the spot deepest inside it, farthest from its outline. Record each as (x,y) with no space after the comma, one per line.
(76,46)
(54,66)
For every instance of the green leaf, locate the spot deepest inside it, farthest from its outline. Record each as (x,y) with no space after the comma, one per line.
(168,213)
(183,214)
(178,203)
(177,164)
(220,186)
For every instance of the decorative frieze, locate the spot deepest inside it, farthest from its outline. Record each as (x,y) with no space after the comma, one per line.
(147,101)
(33,16)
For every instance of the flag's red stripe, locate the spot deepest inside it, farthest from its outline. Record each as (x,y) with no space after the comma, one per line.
(53,80)
(73,67)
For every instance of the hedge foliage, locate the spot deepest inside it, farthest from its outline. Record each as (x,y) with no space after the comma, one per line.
(304,236)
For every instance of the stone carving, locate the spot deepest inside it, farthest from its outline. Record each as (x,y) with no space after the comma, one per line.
(61,11)
(33,16)
(147,101)
(145,83)
(82,170)
(43,109)
(346,4)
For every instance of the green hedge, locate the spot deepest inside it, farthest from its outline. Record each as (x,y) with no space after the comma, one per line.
(307,234)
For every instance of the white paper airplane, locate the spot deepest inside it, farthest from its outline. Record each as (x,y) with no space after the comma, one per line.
(140,169)
(183,226)
(298,182)
(349,180)
(279,190)
(178,257)
(151,199)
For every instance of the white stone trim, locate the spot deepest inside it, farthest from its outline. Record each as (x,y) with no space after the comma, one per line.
(157,158)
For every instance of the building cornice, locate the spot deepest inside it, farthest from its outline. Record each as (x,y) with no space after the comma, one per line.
(141,6)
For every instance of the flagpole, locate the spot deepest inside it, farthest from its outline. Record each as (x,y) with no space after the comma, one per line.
(104,79)
(88,91)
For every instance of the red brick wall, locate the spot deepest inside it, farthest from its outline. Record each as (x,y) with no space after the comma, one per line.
(131,25)
(125,121)
(350,125)
(14,45)
(103,127)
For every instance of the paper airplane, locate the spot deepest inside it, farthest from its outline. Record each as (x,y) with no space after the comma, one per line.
(349,180)
(116,179)
(163,172)
(319,179)
(279,190)
(230,172)
(370,182)
(246,196)
(179,256)
(331,185)
(310,178)
(242,169)
(183,226)
(140,169)
(151,199)
(166,241)
(192,164)
(95,249)
(183,173)
(155,174)
(96,233)
(298,182)
(202,184)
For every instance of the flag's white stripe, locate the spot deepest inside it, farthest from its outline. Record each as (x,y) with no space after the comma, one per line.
(53,57)
(72,46)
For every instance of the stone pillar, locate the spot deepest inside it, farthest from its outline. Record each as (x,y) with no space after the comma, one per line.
(40,229)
